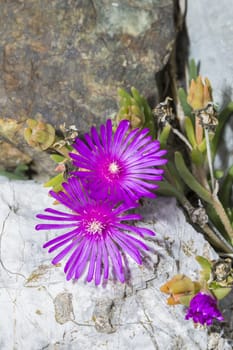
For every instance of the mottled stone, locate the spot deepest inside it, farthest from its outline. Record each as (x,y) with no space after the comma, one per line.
(11,156)
(102,315)
(65,59)
(63,308)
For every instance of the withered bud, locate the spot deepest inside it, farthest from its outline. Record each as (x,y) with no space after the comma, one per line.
(163,112)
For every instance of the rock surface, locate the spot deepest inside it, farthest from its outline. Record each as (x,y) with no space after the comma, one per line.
(210,30)
(43,311)
(64,60)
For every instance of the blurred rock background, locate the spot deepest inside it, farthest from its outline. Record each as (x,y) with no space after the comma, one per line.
(63,60)
(210,30)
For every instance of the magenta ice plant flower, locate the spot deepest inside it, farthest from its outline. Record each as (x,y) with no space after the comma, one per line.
(125,164)
(203,309)
(98,234)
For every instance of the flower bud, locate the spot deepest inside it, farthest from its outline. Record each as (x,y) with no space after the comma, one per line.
(39,134)
(133,113)
(181,289)
(200,93)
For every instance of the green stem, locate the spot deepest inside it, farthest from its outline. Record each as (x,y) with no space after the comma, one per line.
(215,238)
(183,138)
(222,118)
(212,199)
(167,189)
(190,180)
(200,174)
(223,216)
(209,159)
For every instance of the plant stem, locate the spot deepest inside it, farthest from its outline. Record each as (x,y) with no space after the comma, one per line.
(198,129)
(183,138)
(200,174)
(209,159)
(223,216)
(214,236)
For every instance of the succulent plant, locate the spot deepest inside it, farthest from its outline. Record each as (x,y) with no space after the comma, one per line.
(39,135)
(135,109)
(190,169)
(200,93)
(201,297)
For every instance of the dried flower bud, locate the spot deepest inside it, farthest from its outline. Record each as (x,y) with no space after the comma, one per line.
(222,272)
(163,112)
(200,93)
(208,117)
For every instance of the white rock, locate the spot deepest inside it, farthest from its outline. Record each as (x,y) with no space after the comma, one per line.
(41,310)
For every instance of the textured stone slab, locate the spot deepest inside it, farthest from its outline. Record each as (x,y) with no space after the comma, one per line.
(41,310)
(64,60)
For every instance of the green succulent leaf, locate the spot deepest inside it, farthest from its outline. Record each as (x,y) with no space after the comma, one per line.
(136,109)
(189,129)
(215,219)
(138,98)
(229,212)
(190,180)
(184,104)
(149,120)
(185,300)
(204,263)
(17,174)
(225,192)
(218,174)
(197,157)
(55,182)
(167,189)
(193,70)
(220,292)
(163,137)
(222,119)
(206,267)
(202,146)
(173,177)
(125,97)
(57,158)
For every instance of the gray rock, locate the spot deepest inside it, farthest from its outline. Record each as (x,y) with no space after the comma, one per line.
(66,59)
(210,30)
(43,311)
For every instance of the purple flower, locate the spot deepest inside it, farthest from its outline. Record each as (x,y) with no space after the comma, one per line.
(123,164)
(203,309)
(97,234)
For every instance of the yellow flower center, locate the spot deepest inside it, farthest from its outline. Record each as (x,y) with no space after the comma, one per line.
(95,227)
(113,168)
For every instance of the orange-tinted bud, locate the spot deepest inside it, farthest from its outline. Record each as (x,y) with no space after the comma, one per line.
(180,288)
(200,93)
